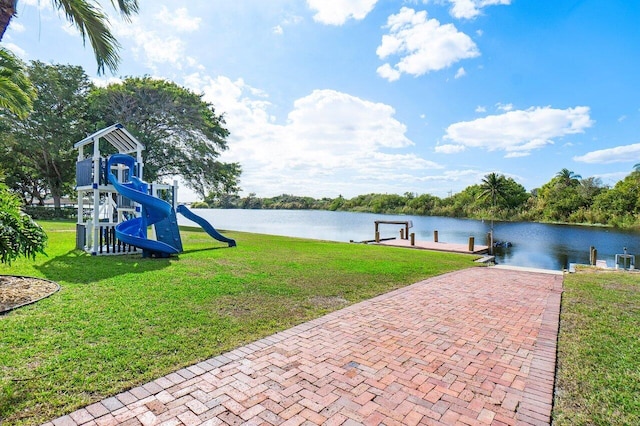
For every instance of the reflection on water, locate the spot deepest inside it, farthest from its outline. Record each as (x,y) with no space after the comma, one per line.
(534,244)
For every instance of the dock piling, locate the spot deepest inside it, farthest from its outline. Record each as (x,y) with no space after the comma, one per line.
(471,243)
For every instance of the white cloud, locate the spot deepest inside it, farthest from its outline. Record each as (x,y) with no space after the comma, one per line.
(70,29)
(480,108)
(517,154)
(469,9)
(20,52)
(151,46)
(504,107)
(622,118)
(520,131)
(619,154)
(331,142)
(460,73)
(386,71)
(337,12)
(17,27)
(278,30)
(422,45)
(292,20)
(179,19)
(105,81)
(612,178)
(453,176)
(449,149)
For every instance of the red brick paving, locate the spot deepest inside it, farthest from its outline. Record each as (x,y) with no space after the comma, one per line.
(473,347)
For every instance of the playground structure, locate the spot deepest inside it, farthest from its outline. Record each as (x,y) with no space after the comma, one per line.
(116,208)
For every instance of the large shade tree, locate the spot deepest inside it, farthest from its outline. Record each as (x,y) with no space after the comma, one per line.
(38,151)
(620,205)
(561,196)
(89,19)
(182,134)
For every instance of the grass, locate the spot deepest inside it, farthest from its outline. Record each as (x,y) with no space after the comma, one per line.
(598,376)
(120,321)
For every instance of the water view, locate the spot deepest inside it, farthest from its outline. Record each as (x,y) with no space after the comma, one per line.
(533,244)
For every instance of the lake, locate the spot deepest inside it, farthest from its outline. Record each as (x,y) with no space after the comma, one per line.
(533,244)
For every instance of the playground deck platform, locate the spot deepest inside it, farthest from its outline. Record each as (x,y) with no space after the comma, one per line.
(430,245)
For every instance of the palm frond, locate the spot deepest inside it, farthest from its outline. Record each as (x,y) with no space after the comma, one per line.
(91,22)
(126,8)
(16,90)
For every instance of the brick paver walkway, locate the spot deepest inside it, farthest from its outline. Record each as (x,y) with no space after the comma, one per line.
(470,347)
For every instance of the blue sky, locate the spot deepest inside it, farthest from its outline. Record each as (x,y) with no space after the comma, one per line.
(348,97)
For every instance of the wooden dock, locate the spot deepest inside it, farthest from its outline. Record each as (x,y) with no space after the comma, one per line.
(427,245)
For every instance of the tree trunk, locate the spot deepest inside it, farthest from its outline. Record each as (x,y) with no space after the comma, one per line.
(56,201)
(7,11)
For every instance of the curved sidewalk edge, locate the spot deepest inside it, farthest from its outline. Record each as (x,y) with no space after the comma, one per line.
(476,346)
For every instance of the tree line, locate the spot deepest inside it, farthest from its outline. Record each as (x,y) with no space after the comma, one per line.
(565,198)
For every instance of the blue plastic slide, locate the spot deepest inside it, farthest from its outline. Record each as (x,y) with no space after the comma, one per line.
(183,210)
(154,210)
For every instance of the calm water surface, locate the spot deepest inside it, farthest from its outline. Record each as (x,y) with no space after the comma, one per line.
(534,244)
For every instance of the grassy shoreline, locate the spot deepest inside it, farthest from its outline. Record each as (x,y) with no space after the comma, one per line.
(598,371)
(120,321)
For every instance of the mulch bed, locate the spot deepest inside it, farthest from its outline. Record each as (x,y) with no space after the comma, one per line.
(16,291)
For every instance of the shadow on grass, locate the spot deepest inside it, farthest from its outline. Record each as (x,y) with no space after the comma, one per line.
(204,249)
(79,267)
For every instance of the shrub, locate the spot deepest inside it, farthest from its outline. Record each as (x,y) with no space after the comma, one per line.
(19,234)
(50,213)
(199,205)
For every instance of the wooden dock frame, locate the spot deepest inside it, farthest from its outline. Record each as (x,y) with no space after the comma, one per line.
(407,224)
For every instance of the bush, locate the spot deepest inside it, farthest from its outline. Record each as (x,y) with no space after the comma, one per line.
(50,213)
(19,234)
(199,205)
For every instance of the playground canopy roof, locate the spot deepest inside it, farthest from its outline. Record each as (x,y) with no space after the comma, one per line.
(117,136)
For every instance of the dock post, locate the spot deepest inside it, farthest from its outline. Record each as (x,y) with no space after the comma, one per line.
(435,236)
(471,243)
(591,260)
(413,238)
(377,237)
(595,256)
(401,233)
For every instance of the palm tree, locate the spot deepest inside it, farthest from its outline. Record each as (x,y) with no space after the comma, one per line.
(636,167)
(493,187)
(89,19)
(568,177)
(16,91)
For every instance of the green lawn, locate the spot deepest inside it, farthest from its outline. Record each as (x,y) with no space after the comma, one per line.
(598,377)
(120,321)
